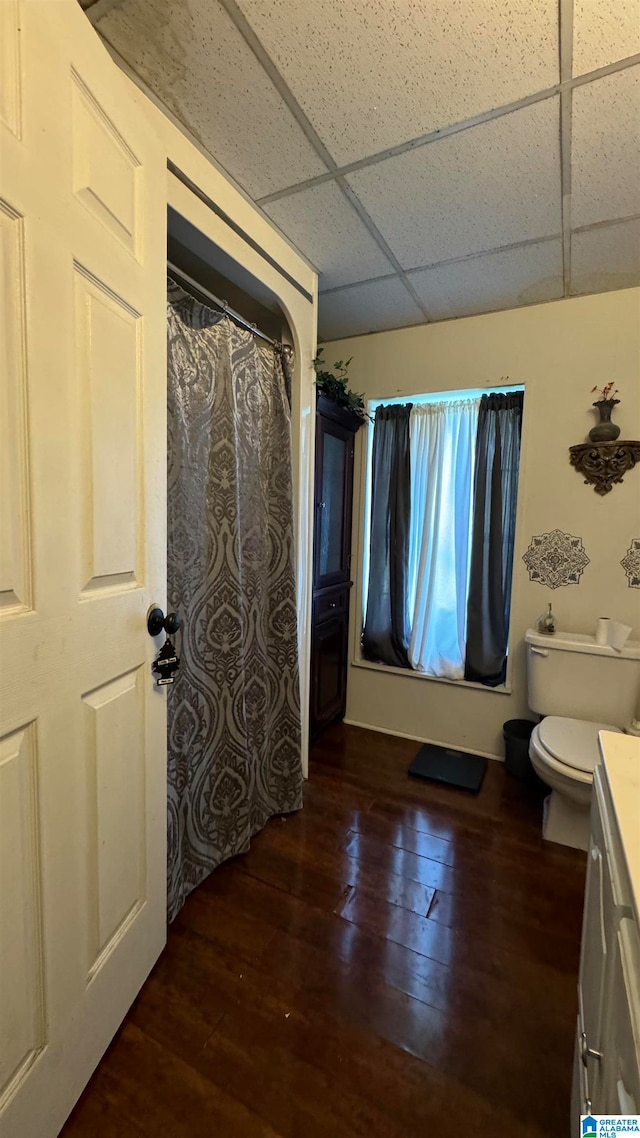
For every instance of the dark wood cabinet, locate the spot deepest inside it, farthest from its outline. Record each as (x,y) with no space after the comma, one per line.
(333,498)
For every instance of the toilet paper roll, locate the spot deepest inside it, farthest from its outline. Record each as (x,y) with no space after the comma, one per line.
(602,630)
(618,634)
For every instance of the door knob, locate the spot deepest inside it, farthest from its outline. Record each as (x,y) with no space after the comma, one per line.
(157,621)
(172,623)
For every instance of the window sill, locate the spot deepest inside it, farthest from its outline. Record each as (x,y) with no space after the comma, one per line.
(504,689)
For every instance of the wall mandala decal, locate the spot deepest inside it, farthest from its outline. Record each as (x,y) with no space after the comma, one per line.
(631,563)
(556,558)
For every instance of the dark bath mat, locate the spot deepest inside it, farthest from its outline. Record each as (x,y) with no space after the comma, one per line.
(454,768)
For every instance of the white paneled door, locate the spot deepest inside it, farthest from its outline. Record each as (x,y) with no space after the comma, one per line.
(82,556)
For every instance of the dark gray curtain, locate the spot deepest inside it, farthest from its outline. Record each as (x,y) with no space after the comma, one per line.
(494,520)
(385,636)
(234,711)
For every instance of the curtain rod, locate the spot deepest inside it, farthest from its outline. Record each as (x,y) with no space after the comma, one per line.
(222,305)
(246,237)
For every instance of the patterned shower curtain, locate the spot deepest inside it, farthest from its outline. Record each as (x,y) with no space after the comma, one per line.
(234,711)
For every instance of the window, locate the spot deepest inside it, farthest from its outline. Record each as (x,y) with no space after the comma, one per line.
(442,486)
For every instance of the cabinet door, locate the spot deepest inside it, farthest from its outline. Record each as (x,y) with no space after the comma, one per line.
(328,672)
(620,1062)
(580,1092)
(333,494)
(598,929)
(593,966)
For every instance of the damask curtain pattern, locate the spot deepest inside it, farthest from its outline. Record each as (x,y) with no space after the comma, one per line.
(234,711)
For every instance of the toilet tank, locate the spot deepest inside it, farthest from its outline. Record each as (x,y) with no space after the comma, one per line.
(570,675)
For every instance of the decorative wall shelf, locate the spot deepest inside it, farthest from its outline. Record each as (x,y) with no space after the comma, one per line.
(605,464)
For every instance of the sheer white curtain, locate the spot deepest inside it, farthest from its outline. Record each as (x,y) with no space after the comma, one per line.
(443,437)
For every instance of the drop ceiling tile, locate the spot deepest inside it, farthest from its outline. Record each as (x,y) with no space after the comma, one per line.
(195,60)
(328,231)
(604,32)
(373,73)
(605,179)
(488,186)
(606,258)
(507,279)
(373,307)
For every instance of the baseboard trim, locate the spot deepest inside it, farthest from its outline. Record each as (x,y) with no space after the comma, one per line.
(422,739)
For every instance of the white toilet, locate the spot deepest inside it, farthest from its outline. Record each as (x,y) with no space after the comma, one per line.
(582,688)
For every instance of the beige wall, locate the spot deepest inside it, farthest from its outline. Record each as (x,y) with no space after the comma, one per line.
(559,351)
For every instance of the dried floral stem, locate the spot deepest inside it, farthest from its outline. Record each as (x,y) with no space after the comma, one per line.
(604,393)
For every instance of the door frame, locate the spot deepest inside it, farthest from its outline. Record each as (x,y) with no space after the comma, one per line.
(238,228)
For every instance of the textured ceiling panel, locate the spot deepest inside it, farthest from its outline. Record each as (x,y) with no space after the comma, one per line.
(497,280)
(606,258)
(370,307)
(492,185)
(606,148)
(329,232)
(604,31)
(374,73)
(193,57)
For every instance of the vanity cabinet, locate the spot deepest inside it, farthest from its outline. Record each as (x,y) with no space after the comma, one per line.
(333,495)
(607,1051)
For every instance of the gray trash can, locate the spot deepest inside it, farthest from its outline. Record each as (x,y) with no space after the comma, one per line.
(517,733)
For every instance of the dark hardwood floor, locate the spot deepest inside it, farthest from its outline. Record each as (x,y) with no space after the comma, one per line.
(397,959)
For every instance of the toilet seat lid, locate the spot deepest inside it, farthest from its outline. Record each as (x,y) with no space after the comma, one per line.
(573,741)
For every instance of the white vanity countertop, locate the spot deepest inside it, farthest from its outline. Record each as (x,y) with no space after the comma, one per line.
(621,755)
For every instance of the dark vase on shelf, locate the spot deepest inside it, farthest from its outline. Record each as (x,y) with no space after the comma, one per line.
(605,431)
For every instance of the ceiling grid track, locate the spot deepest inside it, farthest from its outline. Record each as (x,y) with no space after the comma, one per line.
(96,9)
(566,86)
(553,263)
(416,143)
(608,221)
(457,260)
(246,31)
(592,225)
(566,96)
(264,59)
(353,198)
